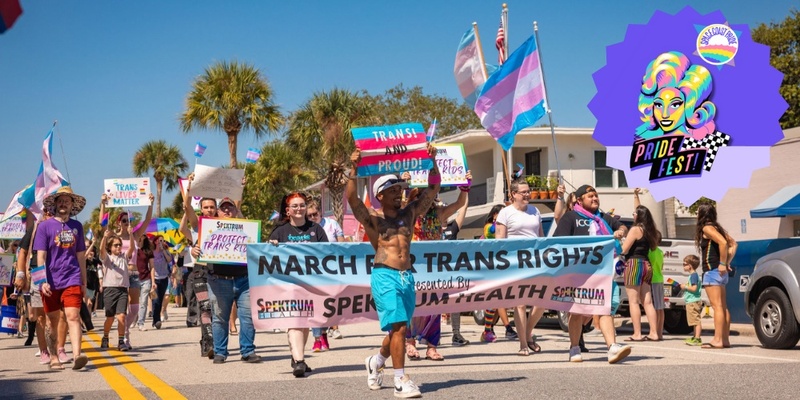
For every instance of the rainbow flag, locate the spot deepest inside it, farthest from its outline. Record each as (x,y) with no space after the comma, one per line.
(199,149)
(673,282)
(10,10)
(104,220)
(513,98)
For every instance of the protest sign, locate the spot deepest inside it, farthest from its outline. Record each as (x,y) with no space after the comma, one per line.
(225,241)
(217,183)
(130,192)
(12,228)
(6,269)
(324,284)
(452,164)
(392,149)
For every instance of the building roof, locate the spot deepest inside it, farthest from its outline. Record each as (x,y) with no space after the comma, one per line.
(480,135)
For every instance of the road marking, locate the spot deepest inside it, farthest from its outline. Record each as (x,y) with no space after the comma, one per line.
(721,352)
(115,380)
(158,386)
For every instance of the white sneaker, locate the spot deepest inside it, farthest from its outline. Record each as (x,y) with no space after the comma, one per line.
(142,328)
(405,388)
(38,353)
(617,352)
(335,334)
(575,354)
(374,373)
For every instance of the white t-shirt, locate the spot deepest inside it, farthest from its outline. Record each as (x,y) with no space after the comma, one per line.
(115,271)
(520,223)
(332,229)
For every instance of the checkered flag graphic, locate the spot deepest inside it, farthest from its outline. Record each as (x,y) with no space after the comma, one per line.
(712,143)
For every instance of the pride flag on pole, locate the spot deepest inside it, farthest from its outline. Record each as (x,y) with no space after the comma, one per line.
(199,149)
(431,131)
(104,220)
(469,67)
(10,10)
(513,97)
(253,155)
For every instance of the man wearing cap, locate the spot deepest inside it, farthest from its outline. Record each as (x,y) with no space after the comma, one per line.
(389,231)
(586,219)
(228,285)
(61,250)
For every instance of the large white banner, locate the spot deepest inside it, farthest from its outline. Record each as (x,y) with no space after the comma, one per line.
(217,182)
(128,192)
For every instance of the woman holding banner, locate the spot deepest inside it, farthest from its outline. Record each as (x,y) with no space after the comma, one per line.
(488,335)
(520,219)
(123,221)
(296,228)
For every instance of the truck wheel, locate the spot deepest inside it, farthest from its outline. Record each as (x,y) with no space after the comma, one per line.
(479,316)
(675,322)
(563,320)
(774,321)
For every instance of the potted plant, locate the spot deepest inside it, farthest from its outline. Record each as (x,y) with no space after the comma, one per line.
(552,187)
(533,183)
(543,188)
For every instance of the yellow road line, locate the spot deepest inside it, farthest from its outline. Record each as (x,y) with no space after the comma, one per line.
(159,387)
(115,380)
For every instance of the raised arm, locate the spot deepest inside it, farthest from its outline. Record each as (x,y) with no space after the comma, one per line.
(461,202)
(462,212)
(103,201)
(143,228)
(636,201)
(360,211)
(188,210)
(132,246)
(424,202)
(561,203)
(103,251)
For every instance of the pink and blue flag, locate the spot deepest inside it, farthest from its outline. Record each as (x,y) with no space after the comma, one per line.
(253,155)
(104,220)
(275,215)
(468,68)
(10,10)
(431,131)
(513,98)
(199,149)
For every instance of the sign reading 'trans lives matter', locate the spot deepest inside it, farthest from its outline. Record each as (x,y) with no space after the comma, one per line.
(392,149)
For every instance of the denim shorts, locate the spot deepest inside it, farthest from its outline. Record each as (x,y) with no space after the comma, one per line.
(134,281)
(394,294)
(714,278)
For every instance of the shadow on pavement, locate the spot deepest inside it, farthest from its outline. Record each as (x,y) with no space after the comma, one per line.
(435,386)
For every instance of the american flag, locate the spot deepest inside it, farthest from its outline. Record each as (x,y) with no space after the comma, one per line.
(500,43)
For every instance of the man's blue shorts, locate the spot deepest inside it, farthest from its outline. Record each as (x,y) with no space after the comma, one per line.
(394,294)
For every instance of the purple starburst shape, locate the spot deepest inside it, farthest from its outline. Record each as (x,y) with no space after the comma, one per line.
(746,95)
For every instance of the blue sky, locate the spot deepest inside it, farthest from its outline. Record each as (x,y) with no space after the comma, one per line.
(115,74)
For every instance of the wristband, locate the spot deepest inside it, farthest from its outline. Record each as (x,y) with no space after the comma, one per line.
(464,188)
(20,275)
(434,179)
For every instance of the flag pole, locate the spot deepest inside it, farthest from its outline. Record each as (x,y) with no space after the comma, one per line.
(546,103)
(63,155)
(480,51)
(507,153)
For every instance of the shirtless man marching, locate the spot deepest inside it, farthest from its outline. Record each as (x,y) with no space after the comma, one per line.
(389,231)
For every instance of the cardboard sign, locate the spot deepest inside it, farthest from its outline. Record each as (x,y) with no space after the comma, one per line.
(12,228)
(184,183)
(217,182)
(392,149)
(452,164)
(225,240)
(6,269)
(129,192)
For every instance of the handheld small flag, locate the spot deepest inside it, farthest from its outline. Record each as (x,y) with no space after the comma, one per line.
(89,235)
(199,149)
(253,155)
(431,131)
(104,220)
(520,168)
(672,282)
(275,215)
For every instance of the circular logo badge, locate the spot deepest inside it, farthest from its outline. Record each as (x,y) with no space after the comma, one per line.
(717,44)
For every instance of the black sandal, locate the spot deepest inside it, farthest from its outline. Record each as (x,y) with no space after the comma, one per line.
(534,347)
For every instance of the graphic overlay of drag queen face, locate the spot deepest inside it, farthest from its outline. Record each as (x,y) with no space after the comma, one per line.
(674,98)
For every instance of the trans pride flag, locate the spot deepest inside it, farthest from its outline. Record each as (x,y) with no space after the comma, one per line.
(513,97)
(468,68)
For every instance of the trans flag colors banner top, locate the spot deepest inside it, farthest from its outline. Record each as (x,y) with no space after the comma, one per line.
(513,97)
(392,149)
(294,285)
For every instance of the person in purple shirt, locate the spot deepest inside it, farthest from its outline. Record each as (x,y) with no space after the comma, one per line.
(61,251)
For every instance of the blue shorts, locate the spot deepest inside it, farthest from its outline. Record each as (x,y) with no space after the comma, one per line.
(714,278)
(614,298)
(394,294)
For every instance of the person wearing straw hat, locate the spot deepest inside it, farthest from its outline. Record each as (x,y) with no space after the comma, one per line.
(61,250)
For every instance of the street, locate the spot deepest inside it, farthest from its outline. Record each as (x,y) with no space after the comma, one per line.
(166,364)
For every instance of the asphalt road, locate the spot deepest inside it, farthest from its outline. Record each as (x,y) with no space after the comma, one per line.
(166,364)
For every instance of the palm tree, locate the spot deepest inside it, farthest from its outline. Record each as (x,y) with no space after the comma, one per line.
(231,97)
(165,161)
(320,130)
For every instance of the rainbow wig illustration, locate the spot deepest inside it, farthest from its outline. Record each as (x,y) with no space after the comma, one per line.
(674,98)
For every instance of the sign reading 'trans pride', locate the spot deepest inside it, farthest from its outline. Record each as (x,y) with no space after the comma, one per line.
(392,149)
